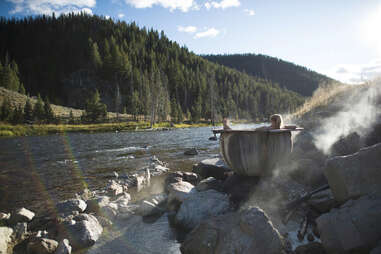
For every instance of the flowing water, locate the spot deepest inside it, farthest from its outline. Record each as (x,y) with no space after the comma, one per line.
(38,171)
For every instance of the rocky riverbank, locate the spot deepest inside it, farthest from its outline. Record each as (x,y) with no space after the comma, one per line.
(213,210)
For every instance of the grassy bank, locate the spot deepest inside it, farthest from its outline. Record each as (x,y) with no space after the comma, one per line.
(8,130)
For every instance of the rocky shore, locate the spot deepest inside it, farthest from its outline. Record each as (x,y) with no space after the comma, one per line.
(214,210)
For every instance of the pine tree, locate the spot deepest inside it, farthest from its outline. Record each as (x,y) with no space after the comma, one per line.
(38,111)
(28,112)
(6,109)
(48,111)
(95,57)
(17,116)
(95,111)
(22,89)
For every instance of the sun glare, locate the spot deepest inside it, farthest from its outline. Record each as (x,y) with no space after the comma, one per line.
(371,29)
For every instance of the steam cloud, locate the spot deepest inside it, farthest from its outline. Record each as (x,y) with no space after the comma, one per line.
(359,113)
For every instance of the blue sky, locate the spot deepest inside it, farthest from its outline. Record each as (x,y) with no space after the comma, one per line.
(340,38)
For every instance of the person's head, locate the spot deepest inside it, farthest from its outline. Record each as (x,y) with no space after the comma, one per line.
(276,121)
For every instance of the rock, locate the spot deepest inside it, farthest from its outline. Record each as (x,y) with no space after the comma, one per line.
(179,176)
(94,205)
(239,187)
(209,183)
(376,250)
(5,240)
(308,172)
(212,167)
(114,189)
(192,151)
(63,247)
(71,205)
(201,206)
(323,201)
(180,191)
(310,248)
(85,195)
(4,216)
(83,231)
(355,175)
(346,144)
(354,227)
(143,180)
(152,205)
(21,215)
(105,222)
(21,230)
(42,246)
(247,231)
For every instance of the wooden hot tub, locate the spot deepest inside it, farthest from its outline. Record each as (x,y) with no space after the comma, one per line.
(255,152)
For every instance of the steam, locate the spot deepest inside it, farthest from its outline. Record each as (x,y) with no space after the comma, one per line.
(359,113)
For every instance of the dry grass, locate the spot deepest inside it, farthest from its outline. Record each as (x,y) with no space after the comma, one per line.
(321,97)
(18,99)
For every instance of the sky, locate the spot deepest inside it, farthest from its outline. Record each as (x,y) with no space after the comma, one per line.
(338,38)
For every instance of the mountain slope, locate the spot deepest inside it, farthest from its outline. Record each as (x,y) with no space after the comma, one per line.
(68,57)
(288,75)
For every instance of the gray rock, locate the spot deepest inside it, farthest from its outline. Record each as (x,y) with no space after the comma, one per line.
(21,215)
(151,206)
(323,201)
(143,180)
(354,227)
(192,151)
(179,176)
(310,248)
(94,205)
(355,175)
(376,250)
(42,246)
(83,231)
(5,240)
(21,230)
(180,191)
(346,144)
(201,206)
(209,183)
(4,216)
(247,231)
(71,205)
(212,167)
(114,188)
(63,247)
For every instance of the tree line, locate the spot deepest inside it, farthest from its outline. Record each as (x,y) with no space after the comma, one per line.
(136,70)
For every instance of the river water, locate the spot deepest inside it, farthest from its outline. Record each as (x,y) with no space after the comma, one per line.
(38,171)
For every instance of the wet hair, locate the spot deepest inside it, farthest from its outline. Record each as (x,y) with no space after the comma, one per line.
(278,120)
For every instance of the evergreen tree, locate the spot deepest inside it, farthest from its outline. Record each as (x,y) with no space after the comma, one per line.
(38,111)
(22,89)
(95,57)
(18,115)
(71,117)
(28,112)
(95,111)
(135,104)
(6,109)
(48,111)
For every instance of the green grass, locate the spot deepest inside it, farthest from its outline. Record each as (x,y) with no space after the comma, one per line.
(8,130)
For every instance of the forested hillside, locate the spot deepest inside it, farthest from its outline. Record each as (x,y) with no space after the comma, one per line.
(135,70)
(288,75)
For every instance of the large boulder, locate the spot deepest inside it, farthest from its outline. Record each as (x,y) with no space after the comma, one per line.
(201,206)
(247,231)
(152,205)
(353,228)
(179,191)
(21,215)
(212,167)
(83,231)
(42,246)
(5,240)
(346,144)
(71,205)
(355,175)
(63,247)
(209,183)
(239,188)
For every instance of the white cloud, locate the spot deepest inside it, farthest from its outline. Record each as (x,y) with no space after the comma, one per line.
(183,5)
(107,16)
(187,29)
(356,74)
(120,15)
(249,12)
(49,6)
(222,4)
(211,33)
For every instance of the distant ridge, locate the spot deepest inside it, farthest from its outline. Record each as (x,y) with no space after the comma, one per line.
(288,75)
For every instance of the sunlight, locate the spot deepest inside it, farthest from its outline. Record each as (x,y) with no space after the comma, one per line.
(371,27)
